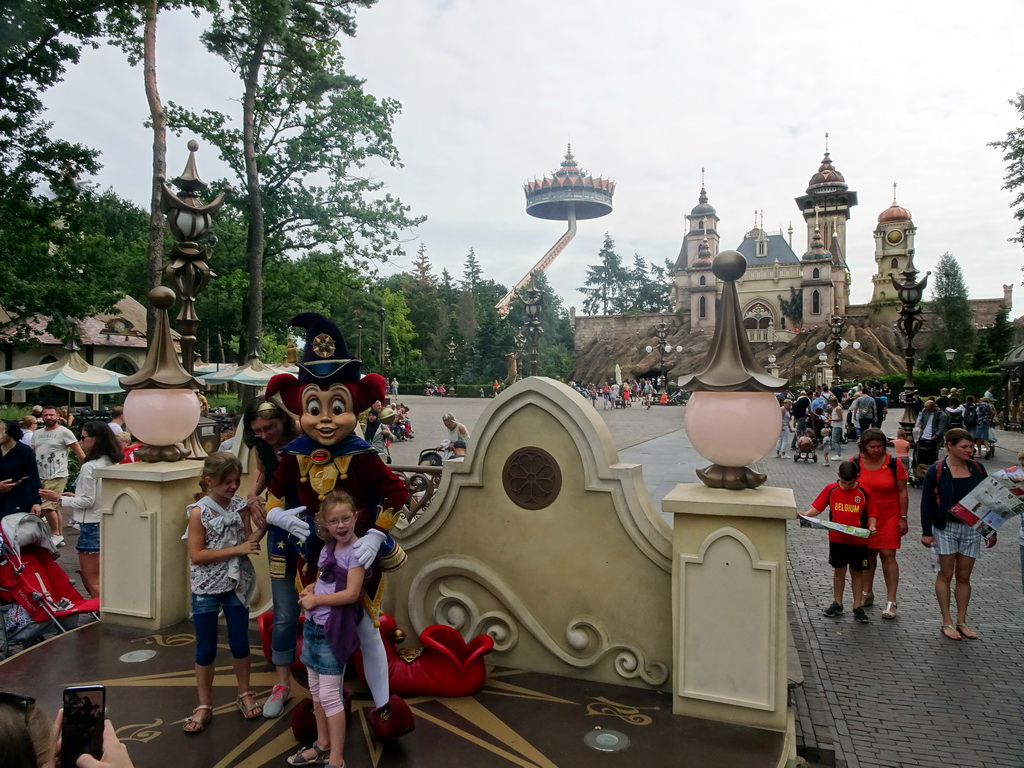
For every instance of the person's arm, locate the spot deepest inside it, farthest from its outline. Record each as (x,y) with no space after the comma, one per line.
(463,431)
(872,526)
(812,512)
(76,448)
(929,505)
(84,496)
(197,551)
(352,592)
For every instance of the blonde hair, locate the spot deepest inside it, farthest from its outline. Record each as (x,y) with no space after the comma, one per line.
(332,500)
(217,466)
(901,434)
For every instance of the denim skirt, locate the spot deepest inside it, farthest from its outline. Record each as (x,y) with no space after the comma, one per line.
(316,653)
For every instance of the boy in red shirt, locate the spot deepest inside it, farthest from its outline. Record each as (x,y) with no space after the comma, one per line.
(848,504)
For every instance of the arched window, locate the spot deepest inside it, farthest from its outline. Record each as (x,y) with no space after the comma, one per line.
(702,307)
(816,274)
(815,303)
(703,280)
(895,264)
(700,225)
(120,365)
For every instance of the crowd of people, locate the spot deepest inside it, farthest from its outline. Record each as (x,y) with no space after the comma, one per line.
(870,492)
(615,395)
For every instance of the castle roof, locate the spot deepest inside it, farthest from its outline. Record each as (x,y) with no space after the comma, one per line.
(894,213)
(703,207)
(778,250)
(827,179)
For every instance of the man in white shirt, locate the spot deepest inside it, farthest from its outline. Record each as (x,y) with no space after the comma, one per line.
(52,444)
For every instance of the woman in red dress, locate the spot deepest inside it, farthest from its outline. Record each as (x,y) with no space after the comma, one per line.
(885,479)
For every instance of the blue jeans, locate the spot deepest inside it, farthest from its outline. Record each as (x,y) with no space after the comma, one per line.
(316,652)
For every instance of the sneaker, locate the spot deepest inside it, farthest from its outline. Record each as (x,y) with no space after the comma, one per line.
(833,610)
(57,541)
(837,458)
(274,706)
(860,615)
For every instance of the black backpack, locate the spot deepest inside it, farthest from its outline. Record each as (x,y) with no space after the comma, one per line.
(971,415)
(954,419)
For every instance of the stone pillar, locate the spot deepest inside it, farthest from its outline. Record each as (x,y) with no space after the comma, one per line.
(729,603)
(144,562)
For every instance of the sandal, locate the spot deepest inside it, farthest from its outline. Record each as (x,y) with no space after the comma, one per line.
(890,610)
(320,755)
(869,599)
(195,724)
(249,713)
(967,632)
(949,632)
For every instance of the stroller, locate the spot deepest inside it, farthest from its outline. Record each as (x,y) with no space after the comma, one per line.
(806,448)
(37,598)
(923,454)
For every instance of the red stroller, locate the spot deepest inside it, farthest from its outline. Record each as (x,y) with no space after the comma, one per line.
(37,598)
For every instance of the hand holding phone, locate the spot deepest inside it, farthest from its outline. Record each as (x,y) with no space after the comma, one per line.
(81,732)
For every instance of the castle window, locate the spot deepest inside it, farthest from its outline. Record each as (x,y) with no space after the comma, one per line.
(702,307)
(762,248)
(703,280)
(815,274)
(815,303)
(895,264)
(700,225)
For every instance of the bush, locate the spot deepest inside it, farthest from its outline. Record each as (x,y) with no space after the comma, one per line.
(929,383)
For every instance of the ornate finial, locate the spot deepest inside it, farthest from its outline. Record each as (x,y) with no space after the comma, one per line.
(826,143)
(894,193)
(761,223)
(816,211)
(702,177)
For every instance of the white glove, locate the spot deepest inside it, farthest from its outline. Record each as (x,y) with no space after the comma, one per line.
(289,520)
(368,546)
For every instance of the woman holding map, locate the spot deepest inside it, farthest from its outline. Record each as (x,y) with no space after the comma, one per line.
(946,482)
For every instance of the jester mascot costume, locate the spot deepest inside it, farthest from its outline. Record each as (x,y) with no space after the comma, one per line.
(327,395)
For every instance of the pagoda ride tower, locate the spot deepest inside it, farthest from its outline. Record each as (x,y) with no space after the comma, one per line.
(569,194)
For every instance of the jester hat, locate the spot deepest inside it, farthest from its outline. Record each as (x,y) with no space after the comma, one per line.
(325,361)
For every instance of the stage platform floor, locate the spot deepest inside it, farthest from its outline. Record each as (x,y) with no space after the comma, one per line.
(520,718)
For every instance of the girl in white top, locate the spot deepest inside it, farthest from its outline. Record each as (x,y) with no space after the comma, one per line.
(101,450)
(222,578)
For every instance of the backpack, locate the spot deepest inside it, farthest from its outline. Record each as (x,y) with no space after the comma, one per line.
(865,412)
(971,416)
(892,466)
(954,419)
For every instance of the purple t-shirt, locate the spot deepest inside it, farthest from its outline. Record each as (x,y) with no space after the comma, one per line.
(345,557)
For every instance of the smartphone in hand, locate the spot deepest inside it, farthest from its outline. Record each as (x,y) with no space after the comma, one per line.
(81,731)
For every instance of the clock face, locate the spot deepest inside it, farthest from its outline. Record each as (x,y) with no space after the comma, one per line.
(895,237)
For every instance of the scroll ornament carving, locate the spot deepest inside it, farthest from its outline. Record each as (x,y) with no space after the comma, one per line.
(586,637)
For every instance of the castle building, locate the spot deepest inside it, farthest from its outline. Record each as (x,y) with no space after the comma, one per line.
(781,292)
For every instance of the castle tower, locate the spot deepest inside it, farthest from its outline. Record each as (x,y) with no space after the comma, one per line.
(816,282)
(702,288)
(827,202)
(894,249)
(702,224)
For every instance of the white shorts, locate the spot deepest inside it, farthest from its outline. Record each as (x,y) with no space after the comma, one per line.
(958,539)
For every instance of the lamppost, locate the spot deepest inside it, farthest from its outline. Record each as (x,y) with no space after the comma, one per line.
(950,356)
(663,349)
(359,346)
(910,292)
(451,365)
(533,302)
(520,342)
(838,345)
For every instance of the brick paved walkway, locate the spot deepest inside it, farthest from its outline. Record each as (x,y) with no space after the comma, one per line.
(885,694)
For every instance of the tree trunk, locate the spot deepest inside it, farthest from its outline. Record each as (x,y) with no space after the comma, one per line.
(155,251)
(257,234)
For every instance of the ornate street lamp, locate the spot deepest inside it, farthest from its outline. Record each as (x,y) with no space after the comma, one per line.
(838,345)
(161,408)
(950,356)
(452,359)
(520,342)
(910,292)
(733,416)
(663,349)
(533,301)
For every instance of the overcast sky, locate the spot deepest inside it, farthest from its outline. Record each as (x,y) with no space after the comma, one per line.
(648,92)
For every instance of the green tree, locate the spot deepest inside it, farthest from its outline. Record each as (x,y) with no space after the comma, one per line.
(46,266)
(953,313)
(605,283)
(1000,335)
(1012,148)
(308,130)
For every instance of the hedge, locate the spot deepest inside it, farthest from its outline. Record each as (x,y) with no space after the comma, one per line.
(928,383)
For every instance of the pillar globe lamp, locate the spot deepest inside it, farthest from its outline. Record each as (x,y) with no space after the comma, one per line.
(732,418)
